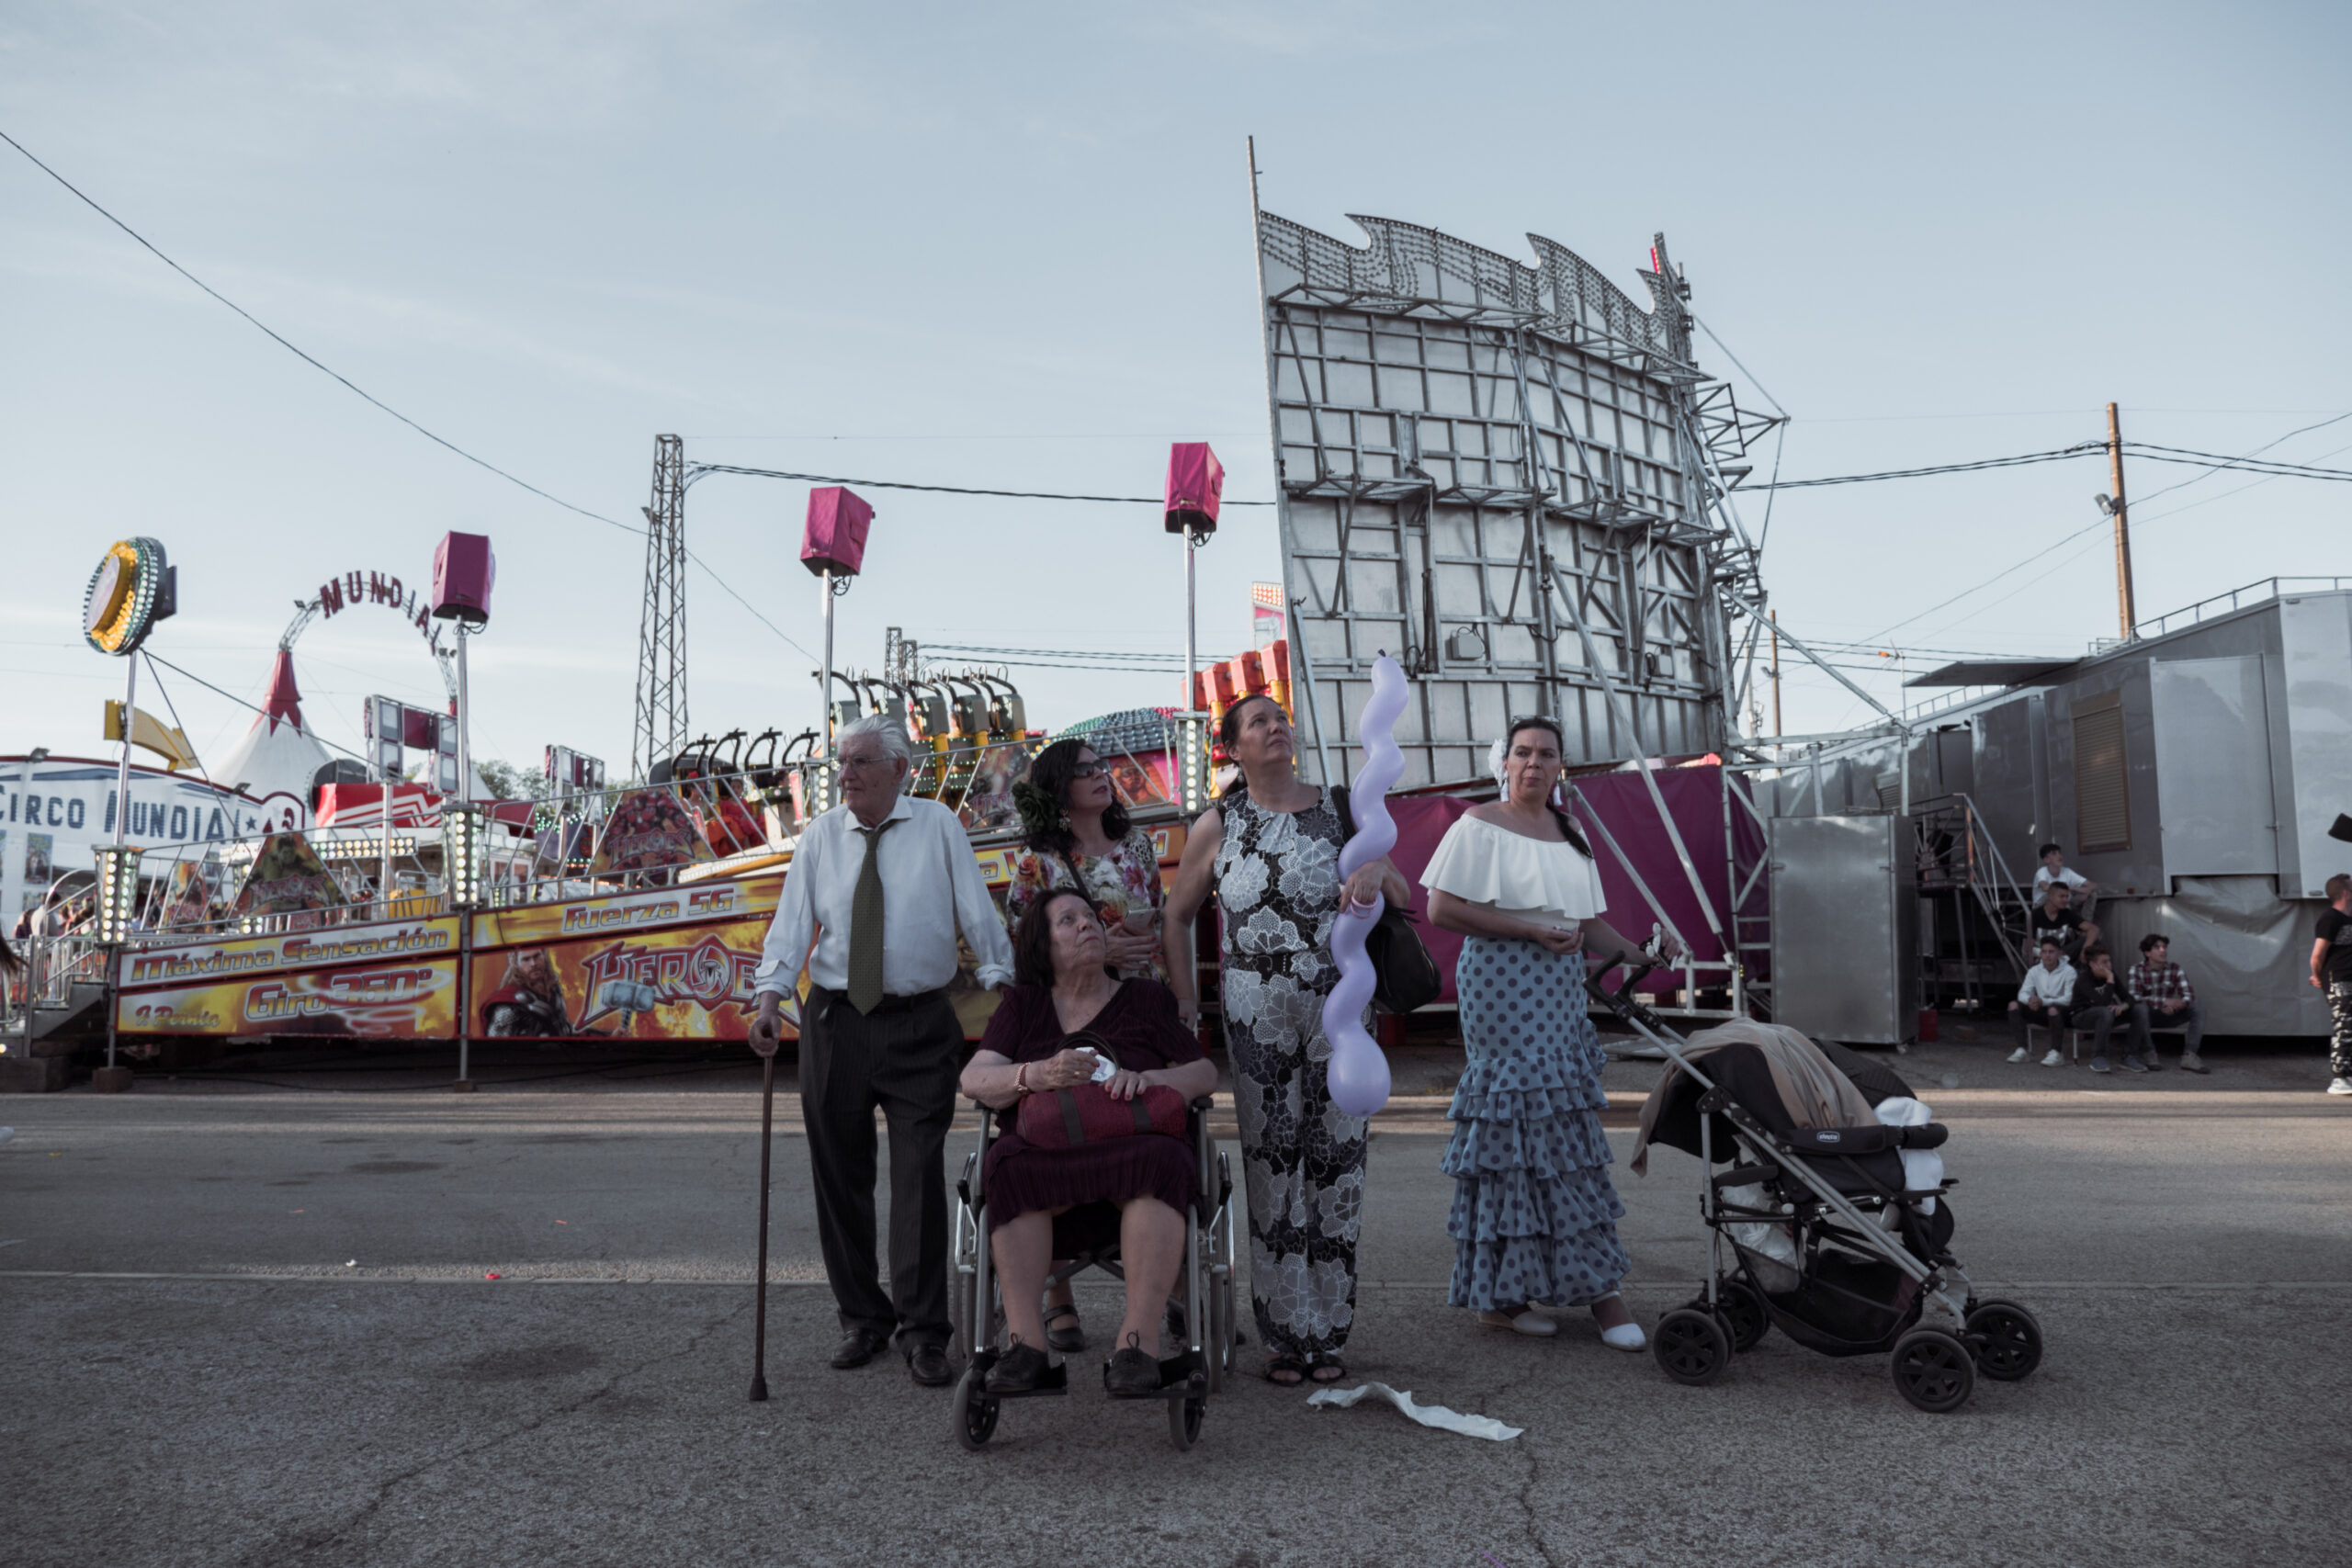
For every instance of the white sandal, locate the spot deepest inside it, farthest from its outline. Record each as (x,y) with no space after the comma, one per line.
(1625,1335)
(1527,1320)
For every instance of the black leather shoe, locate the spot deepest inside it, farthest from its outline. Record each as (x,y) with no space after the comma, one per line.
(929,1365)
(858,1346)
(1133,1373)
(1018,1370)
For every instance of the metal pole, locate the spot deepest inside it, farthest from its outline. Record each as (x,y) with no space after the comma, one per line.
(121,835)
(825,694)
(1192,621)
(1302,664)
(122,770)
(2123,605)
(1776,671)
(465,752)
(384,870)
(474,848)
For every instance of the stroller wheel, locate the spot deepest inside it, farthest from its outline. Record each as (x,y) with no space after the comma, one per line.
(1691,1345)
(1934,1369)
(2008,1340)
(974,1412)
(1742,1305)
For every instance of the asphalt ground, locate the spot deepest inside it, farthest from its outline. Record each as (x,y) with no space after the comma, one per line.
(251,1325)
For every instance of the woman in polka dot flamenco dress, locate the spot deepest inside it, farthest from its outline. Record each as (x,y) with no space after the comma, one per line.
(1535,1215)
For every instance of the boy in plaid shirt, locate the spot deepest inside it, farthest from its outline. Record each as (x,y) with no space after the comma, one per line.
(2162,996)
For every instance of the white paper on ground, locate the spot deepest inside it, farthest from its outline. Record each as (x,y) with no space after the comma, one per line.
(1436,1415)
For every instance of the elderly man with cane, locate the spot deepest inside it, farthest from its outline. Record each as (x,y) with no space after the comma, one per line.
(880,885)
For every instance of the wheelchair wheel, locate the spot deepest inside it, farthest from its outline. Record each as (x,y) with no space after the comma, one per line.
(1933,1369)
(959,1313)
(1185,1420)
(1691,1345)
(1743,1305)
(1219,1348)
(2011,1340)
(974,1412)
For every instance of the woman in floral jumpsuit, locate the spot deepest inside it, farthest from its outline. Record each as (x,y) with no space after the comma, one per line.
(1269,850)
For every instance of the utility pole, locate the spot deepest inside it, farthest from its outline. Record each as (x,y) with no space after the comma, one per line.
(1775,616)
(2122,526)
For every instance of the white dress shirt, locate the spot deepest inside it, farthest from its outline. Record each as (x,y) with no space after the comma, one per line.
(930,886)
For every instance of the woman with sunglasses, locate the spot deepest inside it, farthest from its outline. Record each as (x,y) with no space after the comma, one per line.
(1271,850)
(1535,1215)
(1078,836)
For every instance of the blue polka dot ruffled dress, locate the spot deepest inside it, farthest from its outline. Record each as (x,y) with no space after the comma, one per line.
(1535,1214)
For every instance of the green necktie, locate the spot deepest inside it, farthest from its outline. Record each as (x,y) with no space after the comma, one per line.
(865,925)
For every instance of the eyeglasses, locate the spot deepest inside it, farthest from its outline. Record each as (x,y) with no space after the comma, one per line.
(1086,771)
(860,764)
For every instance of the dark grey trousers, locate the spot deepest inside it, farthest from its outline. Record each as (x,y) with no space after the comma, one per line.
(906,1063)
(2189,1020)
(2101,1022)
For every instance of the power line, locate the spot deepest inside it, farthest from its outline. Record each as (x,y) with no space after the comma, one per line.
(240,700)
(695,471)
(274,337)
(378,402)
(130,717)
(1050,652)
(2219,462)
(2042,555)
(2022,459)
(1742,368)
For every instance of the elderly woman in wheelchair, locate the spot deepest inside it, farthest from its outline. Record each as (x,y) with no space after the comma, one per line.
(1125,1182)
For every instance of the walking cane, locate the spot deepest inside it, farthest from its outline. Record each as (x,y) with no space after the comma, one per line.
(760,1311)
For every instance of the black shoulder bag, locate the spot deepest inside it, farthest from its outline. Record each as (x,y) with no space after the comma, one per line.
(1408,976)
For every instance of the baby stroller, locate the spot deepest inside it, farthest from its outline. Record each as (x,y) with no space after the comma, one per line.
(1200,1324)
(1826,1241)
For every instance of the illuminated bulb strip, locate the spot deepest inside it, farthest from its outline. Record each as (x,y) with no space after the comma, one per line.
(133,609)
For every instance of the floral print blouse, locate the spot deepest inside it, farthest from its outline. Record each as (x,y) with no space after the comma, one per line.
(1122,884)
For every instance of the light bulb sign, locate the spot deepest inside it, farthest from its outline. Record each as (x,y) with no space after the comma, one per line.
(133,589)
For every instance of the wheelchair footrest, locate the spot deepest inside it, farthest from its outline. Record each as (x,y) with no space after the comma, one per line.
(1055,1380)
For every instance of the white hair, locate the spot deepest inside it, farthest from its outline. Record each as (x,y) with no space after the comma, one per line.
(887,730)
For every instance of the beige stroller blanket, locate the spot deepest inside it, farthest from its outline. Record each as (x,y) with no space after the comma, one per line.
(1815,1093)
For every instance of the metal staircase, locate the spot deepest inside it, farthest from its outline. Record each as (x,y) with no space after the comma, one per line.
(1989,922)
(53,1008)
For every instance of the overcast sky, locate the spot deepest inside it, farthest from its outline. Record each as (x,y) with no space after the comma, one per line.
(1008,246)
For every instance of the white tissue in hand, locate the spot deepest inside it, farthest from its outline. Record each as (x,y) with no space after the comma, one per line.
(1105,1069)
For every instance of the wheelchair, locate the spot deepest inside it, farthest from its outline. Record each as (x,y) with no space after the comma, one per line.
(1201,1325)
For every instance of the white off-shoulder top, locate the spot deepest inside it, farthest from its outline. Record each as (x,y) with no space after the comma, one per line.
(1514,875)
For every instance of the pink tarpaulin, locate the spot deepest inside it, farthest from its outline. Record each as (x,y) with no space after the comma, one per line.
(1694,797)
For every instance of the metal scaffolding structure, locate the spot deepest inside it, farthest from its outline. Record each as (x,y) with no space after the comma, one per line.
(660,731)
(1513,478)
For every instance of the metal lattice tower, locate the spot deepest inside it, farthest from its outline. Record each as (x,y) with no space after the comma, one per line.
(661,631)
(1513,478)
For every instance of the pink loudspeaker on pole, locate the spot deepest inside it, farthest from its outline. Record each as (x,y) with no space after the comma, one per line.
(833,546)
(1196,486)
(834,538)
(1359,1072)
(463,573)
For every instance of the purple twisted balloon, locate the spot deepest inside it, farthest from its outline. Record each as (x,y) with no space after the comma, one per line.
(1358,1072)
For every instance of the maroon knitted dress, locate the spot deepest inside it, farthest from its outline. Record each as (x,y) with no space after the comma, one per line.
(1140,1027)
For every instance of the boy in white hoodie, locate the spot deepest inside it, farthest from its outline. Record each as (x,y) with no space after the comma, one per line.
(2048,990)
